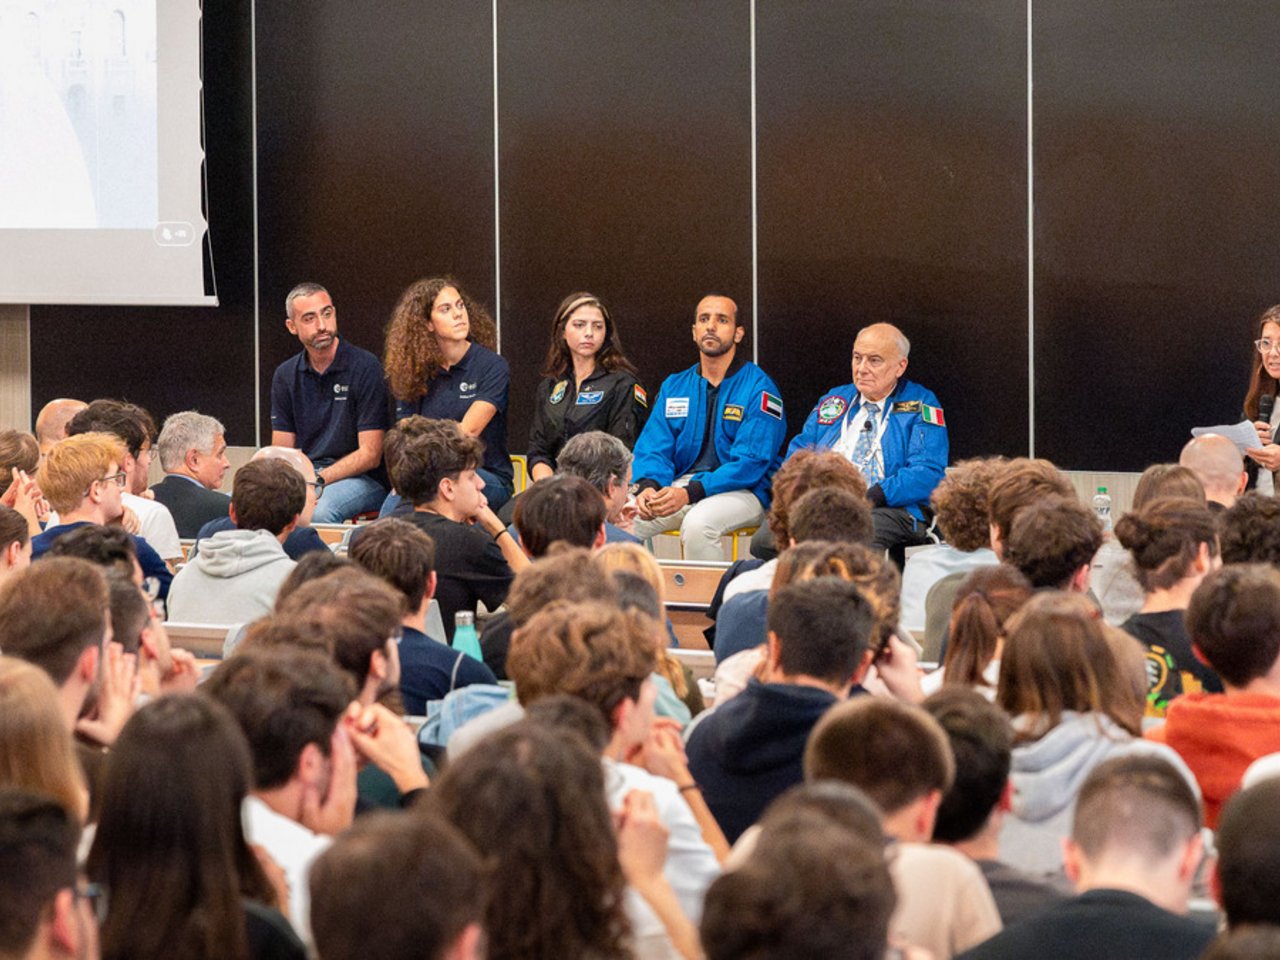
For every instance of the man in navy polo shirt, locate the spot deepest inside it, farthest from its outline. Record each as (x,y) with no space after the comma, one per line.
(330,401)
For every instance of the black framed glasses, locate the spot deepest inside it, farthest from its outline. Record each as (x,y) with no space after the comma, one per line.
(319,484)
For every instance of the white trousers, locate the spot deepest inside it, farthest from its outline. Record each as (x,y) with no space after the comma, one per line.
(702,524)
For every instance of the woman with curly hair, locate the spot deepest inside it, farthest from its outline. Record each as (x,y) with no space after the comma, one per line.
(441,364)
(588,384)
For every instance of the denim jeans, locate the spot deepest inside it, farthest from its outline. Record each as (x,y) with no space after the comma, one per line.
(343,499)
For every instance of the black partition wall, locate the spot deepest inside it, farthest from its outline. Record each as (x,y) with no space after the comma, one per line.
(1073,217)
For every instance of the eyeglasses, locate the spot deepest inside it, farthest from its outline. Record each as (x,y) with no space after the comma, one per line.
(96,894)
(1266,346)
(120,479)
(318,483)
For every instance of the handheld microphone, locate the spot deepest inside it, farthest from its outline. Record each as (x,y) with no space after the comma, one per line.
(1266,403)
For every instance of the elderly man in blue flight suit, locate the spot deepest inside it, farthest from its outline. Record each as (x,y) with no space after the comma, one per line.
(705,458)
(891,429)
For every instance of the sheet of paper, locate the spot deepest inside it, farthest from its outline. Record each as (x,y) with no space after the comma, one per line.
(1241,434)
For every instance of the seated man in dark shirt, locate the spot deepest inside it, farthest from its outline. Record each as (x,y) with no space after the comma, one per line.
(404,557)
(476,556)
(82,479)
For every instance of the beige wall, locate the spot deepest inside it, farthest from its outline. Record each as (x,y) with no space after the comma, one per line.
(15,368)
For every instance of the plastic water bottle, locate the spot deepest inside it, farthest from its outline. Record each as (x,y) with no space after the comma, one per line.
(464,635)
(1102,507)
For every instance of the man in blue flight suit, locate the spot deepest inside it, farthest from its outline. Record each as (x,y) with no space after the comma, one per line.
(710,446)
(891,429)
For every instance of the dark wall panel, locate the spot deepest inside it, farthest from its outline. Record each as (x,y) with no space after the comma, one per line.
(1157,221)
(625,170)
(176,358)
(375,157)
(892,186)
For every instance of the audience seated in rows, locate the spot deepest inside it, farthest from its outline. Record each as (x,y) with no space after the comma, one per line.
(20,459)
(15,542)
(52,420)
(36,749)
(1219,466)
(1053,542)
(235,576)
(193,455)
(986,600)
(603,461)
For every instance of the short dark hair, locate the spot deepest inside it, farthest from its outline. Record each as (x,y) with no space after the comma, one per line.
(283,700)
(130,612)
(438,889)
(52,612)
(353,613)
(1249,530)
(982,745)
(38,840)
(1138,803)
(559,508)
(832,514)
(440,450)
(810,888)
(1248,943)
(1248,843)
(13,527)
(102,544)
(863,741)
(267,495)
(128,423)
(823,628)
(399,553)
(1234,620)
(843,803)
(313,565)
(1051,539)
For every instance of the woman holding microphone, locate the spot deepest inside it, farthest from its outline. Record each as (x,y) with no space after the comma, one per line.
(1260,402)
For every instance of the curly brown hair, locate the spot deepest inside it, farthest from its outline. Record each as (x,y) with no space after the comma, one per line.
(877,578)
(609,357)
(804,471)
(960,502)
(412,357)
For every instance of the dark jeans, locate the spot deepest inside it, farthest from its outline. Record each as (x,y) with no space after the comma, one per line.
(894,529)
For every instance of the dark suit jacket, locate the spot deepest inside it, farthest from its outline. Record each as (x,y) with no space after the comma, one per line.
(191,504)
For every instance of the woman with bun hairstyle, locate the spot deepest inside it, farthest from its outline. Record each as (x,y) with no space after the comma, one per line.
(986,600)
(440,364)
(588,384)
(1174,545)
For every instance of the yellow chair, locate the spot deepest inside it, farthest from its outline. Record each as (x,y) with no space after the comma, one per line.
(746,531)
(520,464)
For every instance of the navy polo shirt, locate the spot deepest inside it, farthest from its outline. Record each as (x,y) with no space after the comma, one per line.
(326,411)
(480,375)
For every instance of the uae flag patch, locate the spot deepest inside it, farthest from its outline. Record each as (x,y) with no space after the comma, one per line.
(773,405)
(932,415)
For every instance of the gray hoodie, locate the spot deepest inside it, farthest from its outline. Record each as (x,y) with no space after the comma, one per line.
(1047,775)
(233,579)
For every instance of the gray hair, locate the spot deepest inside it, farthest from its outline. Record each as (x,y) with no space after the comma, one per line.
(188,430)
(904,345)
(307,289)
(595,456)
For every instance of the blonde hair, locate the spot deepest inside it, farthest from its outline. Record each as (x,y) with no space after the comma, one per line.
(36,749)
(633,558)
(75,463)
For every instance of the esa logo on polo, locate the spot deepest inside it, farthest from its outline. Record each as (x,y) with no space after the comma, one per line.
(340,390)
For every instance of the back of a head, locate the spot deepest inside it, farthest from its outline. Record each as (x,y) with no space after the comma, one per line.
(1056,658)
(823,628)
(399,435)
(438,889)
(1234,621)
(51,612)
(1167,480)
(961,503)
(1216,462)
(1164,537)
(1137,807)
(811,888)
(832,514)
(130,612)
(840,802)
(36,749)
(588,650)
(804,471)
(1260,942)
(184,432)
(559,508)
(632,558)
(13,528)
(532,802)
(18,451)
(982,745)
(314,565)
(354,613)
(876,577)
(985,602)
(107,546)
(595,456)
(74,464)
(438,449)
(283,700)
(1249,530)
(267,495)
(1052,539)
(400,554)
(1248,842)
(863,742)
(129,424)
(565,573)
(38,840)
(1020,483)
(51,421)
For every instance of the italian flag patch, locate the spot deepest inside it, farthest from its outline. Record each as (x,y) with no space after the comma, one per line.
(641,397)
(772,405)
(932,415)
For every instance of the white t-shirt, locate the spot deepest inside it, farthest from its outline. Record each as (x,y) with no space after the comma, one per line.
(156,525)
(294,848)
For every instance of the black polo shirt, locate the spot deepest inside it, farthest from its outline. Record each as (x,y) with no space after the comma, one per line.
(326,411)
(480,375)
